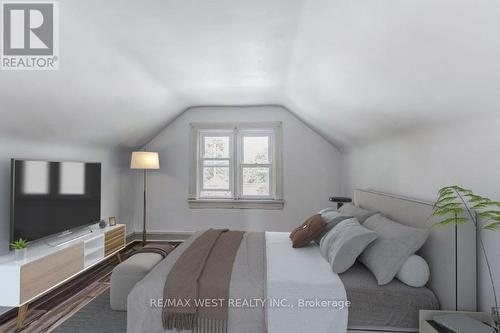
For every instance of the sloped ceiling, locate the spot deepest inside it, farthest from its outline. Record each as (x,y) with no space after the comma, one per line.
(354,70)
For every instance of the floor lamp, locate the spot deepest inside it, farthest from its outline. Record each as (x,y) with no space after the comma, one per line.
(145,160)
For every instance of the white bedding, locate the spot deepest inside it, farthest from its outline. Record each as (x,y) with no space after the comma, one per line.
(302,274)
(292,274)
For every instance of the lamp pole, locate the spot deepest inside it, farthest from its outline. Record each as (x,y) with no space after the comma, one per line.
(144,212)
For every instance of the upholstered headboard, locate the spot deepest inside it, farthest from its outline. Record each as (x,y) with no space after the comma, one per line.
(452,264)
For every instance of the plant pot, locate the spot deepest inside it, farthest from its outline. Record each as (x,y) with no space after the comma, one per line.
(21,254)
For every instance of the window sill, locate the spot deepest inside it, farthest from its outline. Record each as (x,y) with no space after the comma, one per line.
(236,204)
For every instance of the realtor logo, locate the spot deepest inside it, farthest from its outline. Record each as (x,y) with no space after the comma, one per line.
(30,35)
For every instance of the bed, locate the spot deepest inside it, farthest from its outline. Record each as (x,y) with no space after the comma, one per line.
(267,267)
(393,306)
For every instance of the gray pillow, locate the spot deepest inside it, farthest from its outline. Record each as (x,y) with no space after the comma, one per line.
(344,243)
(328,209)
(395,244)
(359,213)
(332,218)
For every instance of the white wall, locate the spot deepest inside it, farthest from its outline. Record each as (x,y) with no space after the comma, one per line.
(417,165)
(113,164)
(311,175)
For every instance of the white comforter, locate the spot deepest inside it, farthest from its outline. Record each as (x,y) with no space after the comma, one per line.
(296,275)
(292,275)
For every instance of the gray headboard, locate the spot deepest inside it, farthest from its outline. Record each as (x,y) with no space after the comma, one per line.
(453,277)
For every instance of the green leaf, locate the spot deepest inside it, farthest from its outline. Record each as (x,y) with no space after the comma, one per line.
(445,199)
(445,211)
(493,226)
(489,213)
(479,206)
(445,191)
(463,190)
(493,218)
(447,203)
(20,244)
(439,212)
(446,188)
(451,220)
(482,200)
(451,205)
(475,198)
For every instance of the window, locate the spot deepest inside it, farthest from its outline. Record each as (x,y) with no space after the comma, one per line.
(236,166)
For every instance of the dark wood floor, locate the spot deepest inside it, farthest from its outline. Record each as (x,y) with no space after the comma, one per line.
(46,313)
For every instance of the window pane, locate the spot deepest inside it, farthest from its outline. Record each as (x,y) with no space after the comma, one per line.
(215,194)
(255,149)
(216,162)
(216,178)
(216,147)
(256,181)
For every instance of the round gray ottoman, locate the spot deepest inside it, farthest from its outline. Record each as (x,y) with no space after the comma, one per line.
(127,274)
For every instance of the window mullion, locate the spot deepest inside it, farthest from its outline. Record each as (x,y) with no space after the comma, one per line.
(256,165)
(236,164)
(216,162)
(201,152)
(215,158)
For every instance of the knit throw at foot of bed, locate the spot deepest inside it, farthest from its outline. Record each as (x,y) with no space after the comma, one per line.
(202,272)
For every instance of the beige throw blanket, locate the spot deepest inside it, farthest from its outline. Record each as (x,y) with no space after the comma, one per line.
(202,272)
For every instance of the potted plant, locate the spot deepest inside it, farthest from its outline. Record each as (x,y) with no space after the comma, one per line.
(457,205)
(20,247)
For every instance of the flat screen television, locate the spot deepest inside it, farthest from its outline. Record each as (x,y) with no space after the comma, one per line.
(53,197)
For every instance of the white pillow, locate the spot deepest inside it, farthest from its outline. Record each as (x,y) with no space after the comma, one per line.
(414,272)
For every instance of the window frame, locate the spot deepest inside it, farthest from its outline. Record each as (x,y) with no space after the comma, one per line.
(273,130)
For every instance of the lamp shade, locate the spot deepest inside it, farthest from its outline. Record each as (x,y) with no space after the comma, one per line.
(145,160)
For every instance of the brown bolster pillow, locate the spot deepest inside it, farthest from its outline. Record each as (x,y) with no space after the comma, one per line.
(307,231)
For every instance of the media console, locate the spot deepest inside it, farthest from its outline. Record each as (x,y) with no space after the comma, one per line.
(47,267)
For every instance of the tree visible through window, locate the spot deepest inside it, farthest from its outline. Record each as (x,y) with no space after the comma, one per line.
(215,165)
(256,166)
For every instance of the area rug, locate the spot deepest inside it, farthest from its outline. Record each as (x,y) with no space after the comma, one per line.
(95,317)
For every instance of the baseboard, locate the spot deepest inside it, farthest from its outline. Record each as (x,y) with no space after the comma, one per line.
(171,236)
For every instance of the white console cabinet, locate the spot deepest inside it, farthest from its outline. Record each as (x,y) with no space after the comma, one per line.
(48,266)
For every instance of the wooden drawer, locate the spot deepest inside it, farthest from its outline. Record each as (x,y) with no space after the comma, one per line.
(114,240)
(44,273)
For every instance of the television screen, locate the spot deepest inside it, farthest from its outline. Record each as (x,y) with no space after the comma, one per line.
(51,197)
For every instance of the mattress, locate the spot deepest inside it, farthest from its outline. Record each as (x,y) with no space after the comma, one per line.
(394,306)
(301,274)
